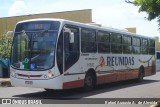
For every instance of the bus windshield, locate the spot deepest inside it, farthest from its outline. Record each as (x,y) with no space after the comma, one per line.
(34,49)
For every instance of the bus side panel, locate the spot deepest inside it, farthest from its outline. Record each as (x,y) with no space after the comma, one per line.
(108,70)
(121,76)
(118,76)
(73,84)
(110,78)
(149,64)
(106,78)
(133,74)
(150,71)
(73,77)
(127,75)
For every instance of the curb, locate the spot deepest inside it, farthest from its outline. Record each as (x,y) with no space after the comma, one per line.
(5,83)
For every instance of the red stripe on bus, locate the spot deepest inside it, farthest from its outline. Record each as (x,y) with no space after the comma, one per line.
(118,76)
(73,84)
(149,71)
(106,78)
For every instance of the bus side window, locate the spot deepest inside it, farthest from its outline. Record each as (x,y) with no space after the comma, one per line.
(88,41)
(127,44)
(144,46)
(136,45)
(151,43)
(116,43)
(103,39)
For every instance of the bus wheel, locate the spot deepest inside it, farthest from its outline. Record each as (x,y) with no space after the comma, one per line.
(89,82)
(141,74)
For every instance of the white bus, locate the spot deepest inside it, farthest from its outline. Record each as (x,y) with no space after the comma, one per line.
(62,54)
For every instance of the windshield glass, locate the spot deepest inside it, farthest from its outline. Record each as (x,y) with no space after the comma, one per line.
(34,50)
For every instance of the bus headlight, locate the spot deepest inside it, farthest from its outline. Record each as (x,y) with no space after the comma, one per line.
(13,74)
(50,74)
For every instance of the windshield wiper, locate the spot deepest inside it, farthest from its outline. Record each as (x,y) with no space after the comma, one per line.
(25,35)
(43,31)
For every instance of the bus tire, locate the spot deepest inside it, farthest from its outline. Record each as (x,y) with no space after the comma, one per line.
(89,82)
(141,74)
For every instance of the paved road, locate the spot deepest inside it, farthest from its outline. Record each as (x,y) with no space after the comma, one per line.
(149,88)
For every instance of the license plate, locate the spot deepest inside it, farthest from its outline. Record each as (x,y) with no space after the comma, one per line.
(29,82)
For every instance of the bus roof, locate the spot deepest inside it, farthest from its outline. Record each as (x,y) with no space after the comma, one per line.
(91,26)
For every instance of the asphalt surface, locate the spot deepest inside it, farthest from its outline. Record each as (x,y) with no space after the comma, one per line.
(149,88)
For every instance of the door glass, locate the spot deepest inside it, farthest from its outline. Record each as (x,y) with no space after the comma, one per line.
(71,49)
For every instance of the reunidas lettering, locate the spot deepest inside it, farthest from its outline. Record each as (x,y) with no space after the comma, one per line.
(120,61)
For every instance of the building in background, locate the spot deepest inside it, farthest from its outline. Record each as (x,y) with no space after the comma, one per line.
(132,30)
(84,16)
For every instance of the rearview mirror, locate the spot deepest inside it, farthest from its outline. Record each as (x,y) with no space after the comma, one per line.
(9,33)
(70,34)
(71,37)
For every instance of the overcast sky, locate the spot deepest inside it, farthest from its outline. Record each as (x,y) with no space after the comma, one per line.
(113,13)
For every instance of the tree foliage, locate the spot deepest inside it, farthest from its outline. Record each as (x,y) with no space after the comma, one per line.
(151,7)
(5,46)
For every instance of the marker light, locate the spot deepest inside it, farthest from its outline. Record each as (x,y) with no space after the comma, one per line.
(45,76)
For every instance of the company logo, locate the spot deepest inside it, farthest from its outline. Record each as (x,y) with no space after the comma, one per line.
(116,61)
(102,61)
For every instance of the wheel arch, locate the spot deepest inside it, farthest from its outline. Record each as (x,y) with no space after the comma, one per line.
(141,69)
(92,71)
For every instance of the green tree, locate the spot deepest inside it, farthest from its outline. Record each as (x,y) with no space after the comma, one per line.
(151,7)
(5,46)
